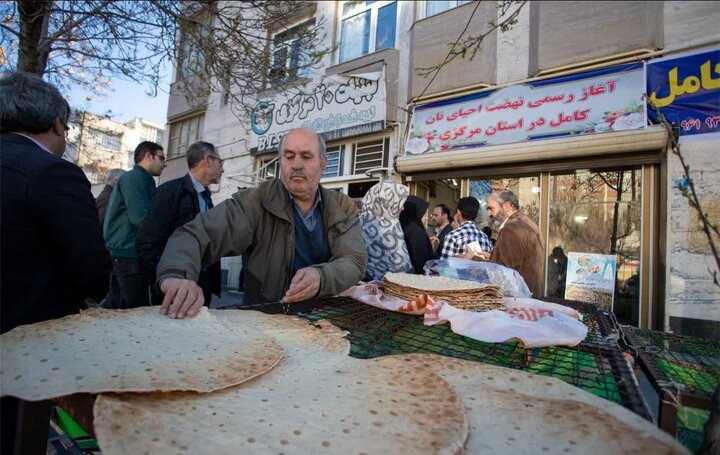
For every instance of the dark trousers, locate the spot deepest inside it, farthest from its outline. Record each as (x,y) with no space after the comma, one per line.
(128,286)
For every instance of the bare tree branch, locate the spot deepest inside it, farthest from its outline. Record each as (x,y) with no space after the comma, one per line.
(689,192)
(217,46)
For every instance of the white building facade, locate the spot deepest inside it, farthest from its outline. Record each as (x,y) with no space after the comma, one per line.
(613,191)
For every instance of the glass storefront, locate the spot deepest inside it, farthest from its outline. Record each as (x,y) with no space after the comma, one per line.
(582,211)
(597,212)
(527,190)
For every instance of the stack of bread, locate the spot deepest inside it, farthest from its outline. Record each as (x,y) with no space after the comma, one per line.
(464,294)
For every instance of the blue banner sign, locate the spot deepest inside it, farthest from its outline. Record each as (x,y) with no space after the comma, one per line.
(687,92)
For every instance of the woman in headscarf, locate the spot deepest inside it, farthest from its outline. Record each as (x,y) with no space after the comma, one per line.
(382,233)
(416,239)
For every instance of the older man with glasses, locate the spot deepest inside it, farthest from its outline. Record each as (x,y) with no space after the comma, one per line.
(175,203)
(129,203)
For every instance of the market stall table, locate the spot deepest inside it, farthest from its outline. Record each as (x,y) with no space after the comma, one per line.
(596,365)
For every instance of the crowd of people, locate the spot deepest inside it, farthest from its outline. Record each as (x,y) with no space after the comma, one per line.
(139,245)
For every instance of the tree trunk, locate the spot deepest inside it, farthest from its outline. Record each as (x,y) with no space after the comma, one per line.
(33,52)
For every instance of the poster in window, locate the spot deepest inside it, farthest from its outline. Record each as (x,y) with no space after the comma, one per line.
(591,278)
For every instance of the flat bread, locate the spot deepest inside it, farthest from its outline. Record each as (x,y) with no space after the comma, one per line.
(137,350)
(431,283)
(511,411)
(317,400)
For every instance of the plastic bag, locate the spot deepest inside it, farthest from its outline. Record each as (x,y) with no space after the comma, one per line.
(509,280)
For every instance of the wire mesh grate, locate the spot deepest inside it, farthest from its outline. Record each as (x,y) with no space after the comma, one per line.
(691,365)
(595,365)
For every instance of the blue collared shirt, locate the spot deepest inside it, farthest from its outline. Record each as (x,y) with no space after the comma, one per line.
(199,189)
(315,213)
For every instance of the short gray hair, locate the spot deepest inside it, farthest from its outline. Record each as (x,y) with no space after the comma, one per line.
(319,138)
(197,151)
(113,175)
(506,196)
(28,103)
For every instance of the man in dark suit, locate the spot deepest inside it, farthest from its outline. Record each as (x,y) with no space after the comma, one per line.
(52,254)
(175,203)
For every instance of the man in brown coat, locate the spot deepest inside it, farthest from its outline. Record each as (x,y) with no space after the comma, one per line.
(518,245)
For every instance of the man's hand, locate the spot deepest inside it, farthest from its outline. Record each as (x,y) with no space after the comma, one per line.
(304,285)
(434,241)
(182,298)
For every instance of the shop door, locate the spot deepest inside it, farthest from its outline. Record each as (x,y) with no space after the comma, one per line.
(595,213)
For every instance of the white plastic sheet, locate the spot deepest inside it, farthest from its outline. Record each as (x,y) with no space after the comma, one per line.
(532,322)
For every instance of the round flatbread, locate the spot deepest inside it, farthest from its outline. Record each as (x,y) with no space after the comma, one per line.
(511,411)
(137,350)
(317,400)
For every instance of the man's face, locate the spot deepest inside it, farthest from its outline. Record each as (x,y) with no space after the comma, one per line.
(495,210)
(300,164)
(215,168)
(157,163)
(438,217)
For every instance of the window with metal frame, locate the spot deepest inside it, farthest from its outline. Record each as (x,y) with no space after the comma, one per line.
(366,26)
(335,161)
(269,168)
(434,7)
(183,133)
(370,155)
(104,139)
(290,58)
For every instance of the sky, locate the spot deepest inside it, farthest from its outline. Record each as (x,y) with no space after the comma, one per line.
(126,100)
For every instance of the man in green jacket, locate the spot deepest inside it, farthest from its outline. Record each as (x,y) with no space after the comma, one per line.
(298,239)
(128,205)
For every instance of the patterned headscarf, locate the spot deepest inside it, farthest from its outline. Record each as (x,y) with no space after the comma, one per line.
(382,233)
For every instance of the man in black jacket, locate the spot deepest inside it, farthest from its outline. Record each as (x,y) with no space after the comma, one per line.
(101,202)
(53,254)
(175,203)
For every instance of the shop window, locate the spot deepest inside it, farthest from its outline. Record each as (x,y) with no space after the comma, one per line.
(370,155)
(367,26)
(434,7)
(527,190)
(290,58)
(596,213)
(183,133)
(334,162)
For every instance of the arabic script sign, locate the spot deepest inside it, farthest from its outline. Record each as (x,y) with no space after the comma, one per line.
(687,91)
(604,100)
(591,278)
(331,108)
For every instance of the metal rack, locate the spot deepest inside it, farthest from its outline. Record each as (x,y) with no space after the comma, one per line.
(596,365)
(684,371)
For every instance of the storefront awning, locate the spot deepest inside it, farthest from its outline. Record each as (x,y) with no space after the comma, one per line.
(568,147)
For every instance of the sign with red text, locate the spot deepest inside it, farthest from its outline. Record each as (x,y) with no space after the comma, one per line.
(610,99)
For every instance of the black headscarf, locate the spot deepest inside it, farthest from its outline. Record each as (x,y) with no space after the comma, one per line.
(416,239)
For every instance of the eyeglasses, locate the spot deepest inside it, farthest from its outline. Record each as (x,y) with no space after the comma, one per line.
(162,157)
(219,160)
(67,130)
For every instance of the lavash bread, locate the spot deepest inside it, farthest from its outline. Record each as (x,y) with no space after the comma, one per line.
(317,400)
(464,294)
(136,350)
(510,411)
